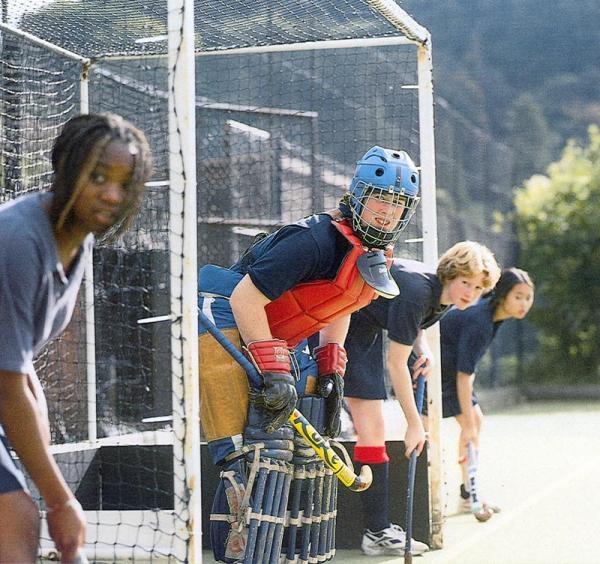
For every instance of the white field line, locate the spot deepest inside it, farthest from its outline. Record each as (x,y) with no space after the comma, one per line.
(506,518)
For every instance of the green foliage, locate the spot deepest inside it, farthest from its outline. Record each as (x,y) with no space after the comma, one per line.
(557,219)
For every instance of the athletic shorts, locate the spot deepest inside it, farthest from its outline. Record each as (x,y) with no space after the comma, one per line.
(366,373)
(365,376)
(11,478)
(450,404)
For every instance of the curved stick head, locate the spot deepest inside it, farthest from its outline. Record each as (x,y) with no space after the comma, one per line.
(363,480)
(485,513)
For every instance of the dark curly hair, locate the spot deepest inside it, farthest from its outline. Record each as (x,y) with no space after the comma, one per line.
(75,154)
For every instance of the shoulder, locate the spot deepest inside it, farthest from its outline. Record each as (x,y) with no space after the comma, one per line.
(320,232)
(20,249)
(321,227)
(27,240)
(480,313)
(317,226)
(416,281)
(24,217)
(474,323)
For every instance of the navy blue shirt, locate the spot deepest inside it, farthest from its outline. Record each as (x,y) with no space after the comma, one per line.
(464,338)
(416,307)
(310,249)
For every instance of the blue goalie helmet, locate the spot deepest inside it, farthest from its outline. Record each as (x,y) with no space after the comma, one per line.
(383,195)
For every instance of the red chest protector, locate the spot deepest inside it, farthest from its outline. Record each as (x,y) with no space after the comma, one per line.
(310,306)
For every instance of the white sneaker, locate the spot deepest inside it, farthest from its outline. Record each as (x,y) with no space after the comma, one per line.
(390,542)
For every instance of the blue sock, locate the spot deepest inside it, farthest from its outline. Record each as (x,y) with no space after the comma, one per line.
(375,498)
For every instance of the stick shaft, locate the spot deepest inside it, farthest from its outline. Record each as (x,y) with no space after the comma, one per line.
(476,505)
(412,470)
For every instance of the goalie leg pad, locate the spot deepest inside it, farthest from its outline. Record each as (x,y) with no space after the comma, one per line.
(272,453)
(228,530)
(223,388)
(313,502)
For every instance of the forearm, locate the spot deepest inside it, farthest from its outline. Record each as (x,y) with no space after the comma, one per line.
(27,431)
(464,387)
(403,389)
(335,332)
(248,306)
(38,393)
(421,345)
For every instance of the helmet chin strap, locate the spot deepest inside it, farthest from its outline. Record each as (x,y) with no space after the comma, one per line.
(373,269)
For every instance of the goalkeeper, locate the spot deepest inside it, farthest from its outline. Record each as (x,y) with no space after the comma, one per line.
(306,278)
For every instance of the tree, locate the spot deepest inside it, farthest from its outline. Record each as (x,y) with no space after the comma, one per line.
(557,221)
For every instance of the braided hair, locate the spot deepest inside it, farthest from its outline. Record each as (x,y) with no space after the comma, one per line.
(76,152)
(509,278)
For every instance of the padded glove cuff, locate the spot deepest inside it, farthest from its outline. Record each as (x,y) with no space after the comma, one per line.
(270,355)
(331,359)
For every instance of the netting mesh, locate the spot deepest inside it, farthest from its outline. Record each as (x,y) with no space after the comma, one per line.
(475,174)
(130,368)
(277,137)
(279,134)
(96,28)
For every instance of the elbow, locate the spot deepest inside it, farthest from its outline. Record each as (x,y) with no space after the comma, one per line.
(246,295)
(240,294)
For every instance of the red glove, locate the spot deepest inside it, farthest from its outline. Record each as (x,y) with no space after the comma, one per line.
(270,356)
(331,359)
(278,397)
(331,362)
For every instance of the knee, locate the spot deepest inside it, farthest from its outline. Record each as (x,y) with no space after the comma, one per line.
(367,417)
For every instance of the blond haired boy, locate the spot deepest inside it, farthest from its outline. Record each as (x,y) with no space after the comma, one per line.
(464,272)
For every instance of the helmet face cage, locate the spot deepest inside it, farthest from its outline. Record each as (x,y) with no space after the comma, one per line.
(383,195)
(376,225)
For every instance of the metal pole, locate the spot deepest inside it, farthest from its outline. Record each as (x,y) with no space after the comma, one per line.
(430,256)
(90,317)
(183,279)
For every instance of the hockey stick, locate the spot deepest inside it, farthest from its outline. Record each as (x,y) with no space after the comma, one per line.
(321,447)
(479,509)
(412,469)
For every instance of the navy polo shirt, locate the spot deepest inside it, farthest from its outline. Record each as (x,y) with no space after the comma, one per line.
(464,338)
(416,307)
(310,249)
(37,298)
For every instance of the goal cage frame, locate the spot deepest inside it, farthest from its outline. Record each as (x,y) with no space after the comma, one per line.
(176,534)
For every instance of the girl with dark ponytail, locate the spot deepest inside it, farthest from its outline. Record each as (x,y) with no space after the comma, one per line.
(465,336)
